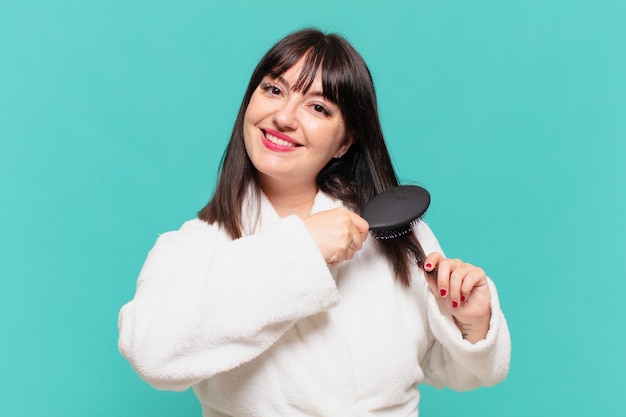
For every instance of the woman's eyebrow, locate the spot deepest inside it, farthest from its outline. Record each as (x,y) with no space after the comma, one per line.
(316,94)
(281,80)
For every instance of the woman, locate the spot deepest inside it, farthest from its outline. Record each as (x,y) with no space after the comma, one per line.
(274,301)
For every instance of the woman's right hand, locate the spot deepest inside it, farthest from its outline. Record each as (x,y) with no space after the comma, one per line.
(339,233)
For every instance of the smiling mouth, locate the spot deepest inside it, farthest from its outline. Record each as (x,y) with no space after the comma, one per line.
(278,141)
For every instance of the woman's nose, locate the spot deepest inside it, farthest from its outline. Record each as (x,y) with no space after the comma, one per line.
(285,118)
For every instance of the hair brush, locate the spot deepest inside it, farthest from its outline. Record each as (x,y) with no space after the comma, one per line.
(395,211)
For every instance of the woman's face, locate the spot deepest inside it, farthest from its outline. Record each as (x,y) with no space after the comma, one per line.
(290,136)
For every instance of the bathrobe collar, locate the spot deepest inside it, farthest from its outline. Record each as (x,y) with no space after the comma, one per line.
(259,214)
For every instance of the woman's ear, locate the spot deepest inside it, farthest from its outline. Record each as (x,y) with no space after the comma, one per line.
(347,142)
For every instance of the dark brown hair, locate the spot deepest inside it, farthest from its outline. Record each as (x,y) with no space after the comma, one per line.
(364,170)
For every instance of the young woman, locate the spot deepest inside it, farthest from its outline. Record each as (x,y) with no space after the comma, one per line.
(274,301)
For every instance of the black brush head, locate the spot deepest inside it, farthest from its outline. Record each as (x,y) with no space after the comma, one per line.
(395,211)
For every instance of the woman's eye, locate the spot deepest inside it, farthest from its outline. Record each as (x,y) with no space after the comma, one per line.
(318,108)
(271,88)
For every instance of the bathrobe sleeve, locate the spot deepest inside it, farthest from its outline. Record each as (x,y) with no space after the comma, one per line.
(205,304)
(456,363)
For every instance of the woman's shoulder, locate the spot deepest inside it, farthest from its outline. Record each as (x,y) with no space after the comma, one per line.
(193,233)
(197,225)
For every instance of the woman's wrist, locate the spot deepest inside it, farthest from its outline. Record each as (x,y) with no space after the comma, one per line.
(471,330)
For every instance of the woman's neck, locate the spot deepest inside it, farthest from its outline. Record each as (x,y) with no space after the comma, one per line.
(289,199)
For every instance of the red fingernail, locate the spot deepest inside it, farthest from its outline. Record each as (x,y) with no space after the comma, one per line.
(443,292)
(428,265)
(455,304)
(462,298)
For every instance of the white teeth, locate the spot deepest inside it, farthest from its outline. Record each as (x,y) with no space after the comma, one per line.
(278,141)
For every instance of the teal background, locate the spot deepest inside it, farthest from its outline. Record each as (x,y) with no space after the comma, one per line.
(114,115)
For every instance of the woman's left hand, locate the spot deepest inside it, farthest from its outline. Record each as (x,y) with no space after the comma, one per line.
(463,291)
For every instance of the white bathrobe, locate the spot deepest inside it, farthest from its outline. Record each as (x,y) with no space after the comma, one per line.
(261,326)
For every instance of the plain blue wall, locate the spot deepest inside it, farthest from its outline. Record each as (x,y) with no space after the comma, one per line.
(114,115)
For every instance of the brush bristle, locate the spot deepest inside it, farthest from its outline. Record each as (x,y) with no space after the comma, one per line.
(385,234)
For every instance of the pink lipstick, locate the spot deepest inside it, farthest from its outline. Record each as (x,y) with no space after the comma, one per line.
(277,141)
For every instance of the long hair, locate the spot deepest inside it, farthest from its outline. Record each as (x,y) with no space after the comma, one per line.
(366,168)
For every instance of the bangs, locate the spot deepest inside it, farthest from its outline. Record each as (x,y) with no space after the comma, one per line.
(346,81)
(315,58)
